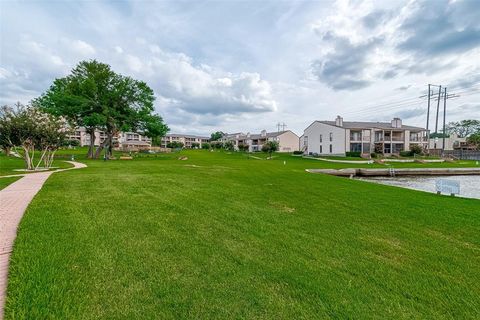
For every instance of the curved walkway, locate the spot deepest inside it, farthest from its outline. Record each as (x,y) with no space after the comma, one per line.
(14,200)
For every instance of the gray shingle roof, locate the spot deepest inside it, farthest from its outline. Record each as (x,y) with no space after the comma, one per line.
(361,125)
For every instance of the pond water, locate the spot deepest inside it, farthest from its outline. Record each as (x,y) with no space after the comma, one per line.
(469,185)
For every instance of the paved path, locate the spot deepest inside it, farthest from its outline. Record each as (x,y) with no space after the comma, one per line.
(14,200)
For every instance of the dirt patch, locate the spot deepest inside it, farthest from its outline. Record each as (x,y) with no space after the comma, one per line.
(282,207)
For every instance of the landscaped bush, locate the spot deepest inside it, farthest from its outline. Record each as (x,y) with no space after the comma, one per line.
(297,152)
(216,145)
(175,145)
(243,147)
(406,153)
(374,155)
(229,146)
(73,143)
(206,145)
(416,149)
(355,154)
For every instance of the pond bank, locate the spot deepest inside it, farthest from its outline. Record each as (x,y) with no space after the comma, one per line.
(469,185)
(393,172)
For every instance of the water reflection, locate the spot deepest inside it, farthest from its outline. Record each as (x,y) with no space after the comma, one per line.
(469,185)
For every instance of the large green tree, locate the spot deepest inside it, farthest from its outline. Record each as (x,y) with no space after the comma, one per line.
(464,128)
(95,97)
(474,139)
(215,136)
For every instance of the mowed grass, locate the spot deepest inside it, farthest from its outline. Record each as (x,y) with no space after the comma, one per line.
(226,236)
(4,182)
(10,165)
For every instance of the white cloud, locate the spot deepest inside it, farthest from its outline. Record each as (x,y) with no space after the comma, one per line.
(118,49)
(82,48)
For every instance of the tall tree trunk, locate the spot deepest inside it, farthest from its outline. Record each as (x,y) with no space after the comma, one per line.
(26,157)
(110,145)
(103,145)
(7,151)
(91,147)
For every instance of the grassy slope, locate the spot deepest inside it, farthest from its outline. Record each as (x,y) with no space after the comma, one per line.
(234,237)
(9,164)
(4,182)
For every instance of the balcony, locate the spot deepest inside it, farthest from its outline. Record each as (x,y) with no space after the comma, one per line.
(355,136)
(398,136)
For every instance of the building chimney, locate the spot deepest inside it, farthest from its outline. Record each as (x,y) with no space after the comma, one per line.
(339,121)
(396,123)
(264,133)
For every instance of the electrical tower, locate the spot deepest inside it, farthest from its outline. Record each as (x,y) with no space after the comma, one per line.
(281,125)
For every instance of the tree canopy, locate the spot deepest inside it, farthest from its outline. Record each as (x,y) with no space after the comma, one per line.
(32,130)
(215,136)
(270,147)
(97,98)
(464,128)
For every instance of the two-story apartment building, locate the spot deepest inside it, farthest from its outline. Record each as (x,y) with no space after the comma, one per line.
(287,140)
(338,137)
(186,139)
(123,140)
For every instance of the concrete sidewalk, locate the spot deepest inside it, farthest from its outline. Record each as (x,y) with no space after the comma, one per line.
(14,200)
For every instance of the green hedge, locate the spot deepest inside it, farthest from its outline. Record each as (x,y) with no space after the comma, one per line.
(355,154)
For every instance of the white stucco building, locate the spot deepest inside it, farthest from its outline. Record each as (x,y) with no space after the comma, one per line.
(338,137)
(123,140)
(186,139)
(287,140)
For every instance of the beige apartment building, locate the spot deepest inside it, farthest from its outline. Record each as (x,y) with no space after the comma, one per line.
(186,139)
(287,140)
(338,137)
(123,140)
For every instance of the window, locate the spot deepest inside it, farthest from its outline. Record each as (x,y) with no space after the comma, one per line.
(366,148)
(321,151)
(331,136)
(305,141)
(321,138)
(397,147)
(387,148)
(355,135)
(330,148)
(355,147)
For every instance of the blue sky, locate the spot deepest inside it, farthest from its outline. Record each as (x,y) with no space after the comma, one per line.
(246,65)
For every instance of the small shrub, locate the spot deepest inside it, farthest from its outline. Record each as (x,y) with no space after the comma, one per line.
(374,155)
(175,145)
(243,147)
(406,153)
(229,146)
(355,154)
(206,145)
(297,152)
(416,149)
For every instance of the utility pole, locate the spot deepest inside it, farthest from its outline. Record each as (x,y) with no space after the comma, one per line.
(281,125)
(428,117)
(438,108)
(444,116)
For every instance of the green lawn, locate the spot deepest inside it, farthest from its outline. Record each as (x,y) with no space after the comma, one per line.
(8,165)
(4,182)
(227,236)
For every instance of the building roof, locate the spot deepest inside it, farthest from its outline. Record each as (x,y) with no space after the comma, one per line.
(363,125)
(136,143)
(185,136)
